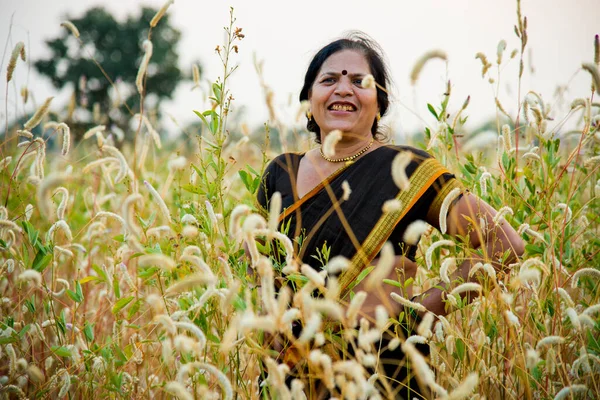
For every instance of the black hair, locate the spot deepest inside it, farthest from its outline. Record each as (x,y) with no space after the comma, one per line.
(373,54)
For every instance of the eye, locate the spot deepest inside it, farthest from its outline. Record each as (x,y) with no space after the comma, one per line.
(328,80)
(358,81)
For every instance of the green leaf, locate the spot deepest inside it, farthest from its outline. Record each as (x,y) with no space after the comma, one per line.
(239,303)
(393,283)
(432,111)
(30,304)
(361,276)
(460,349)
(536,373)
(202,117)
(8,339)
(41,260)
(88,331)
(135,307)
(120,355)
(73,296)
(147,272)
(78,290)
(100,272)
(122,303)
(191,188)
(23,331)
(61,351)
(593,343)
(250,179)
(246,179)
(214,125)
(533,249)
(116,288)
(218,92)
(60,322)
(32,234)
(90,279)
(212,337)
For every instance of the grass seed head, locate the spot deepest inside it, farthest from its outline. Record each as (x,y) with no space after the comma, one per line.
(330,142)
(593,70)
(405,302)
(466,387)
(158,200)
(71,27)
(414,231)
(139,80)
(418,67)
(399,165)
(12,63)
(500,51)
(589,272)
(485,64)
(368,82)
(392,205)
(453,195)
(570,391)
(39,114)
(346,191)
(383,268)
(160,13)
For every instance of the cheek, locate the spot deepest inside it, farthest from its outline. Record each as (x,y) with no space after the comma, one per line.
(370,102)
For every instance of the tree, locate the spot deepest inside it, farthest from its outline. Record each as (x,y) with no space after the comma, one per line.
(117,48)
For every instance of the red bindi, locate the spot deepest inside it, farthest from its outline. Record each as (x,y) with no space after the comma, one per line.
(344,72)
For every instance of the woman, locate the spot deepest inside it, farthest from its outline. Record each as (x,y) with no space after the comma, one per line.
(338,202)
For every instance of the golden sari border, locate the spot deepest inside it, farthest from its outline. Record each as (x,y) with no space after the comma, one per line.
(422,178)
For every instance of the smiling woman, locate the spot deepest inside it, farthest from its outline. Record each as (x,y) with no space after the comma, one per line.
(336,201)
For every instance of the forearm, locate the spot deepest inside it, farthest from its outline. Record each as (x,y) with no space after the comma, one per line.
(434,298)
(499,252)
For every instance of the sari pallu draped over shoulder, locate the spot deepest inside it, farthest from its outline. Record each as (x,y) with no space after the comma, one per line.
(356,228)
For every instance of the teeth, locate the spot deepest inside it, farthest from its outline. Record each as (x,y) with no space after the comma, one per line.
(342,107)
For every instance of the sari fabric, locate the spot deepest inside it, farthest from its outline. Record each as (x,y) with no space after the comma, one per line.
(356,228)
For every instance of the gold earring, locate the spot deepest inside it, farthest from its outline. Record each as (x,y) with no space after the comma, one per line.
(378,116)
(308,115)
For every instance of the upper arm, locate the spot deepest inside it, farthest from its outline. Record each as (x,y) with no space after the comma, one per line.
(473,218)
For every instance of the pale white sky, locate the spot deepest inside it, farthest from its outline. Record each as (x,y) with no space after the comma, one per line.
(286,34)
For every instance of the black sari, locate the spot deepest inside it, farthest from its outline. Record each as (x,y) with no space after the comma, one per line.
(357,228)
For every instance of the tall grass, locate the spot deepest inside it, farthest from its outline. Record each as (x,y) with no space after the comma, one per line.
(123,279)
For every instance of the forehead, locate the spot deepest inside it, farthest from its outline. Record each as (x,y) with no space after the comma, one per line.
(351,60)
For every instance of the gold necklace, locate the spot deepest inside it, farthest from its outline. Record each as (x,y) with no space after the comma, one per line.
(349,158)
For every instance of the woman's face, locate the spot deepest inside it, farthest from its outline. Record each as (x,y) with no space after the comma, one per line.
(337,99)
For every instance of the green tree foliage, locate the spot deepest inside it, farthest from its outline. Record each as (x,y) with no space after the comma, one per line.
(117,48)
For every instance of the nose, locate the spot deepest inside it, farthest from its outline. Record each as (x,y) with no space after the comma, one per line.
(344,87)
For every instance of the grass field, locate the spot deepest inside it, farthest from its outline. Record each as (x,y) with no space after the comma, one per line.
(121,278)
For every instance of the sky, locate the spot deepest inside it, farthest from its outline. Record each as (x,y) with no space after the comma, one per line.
(285,35)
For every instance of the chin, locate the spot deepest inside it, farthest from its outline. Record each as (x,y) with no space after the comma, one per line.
(341,127)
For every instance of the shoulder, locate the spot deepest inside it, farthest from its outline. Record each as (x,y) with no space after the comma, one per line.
(286,162)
